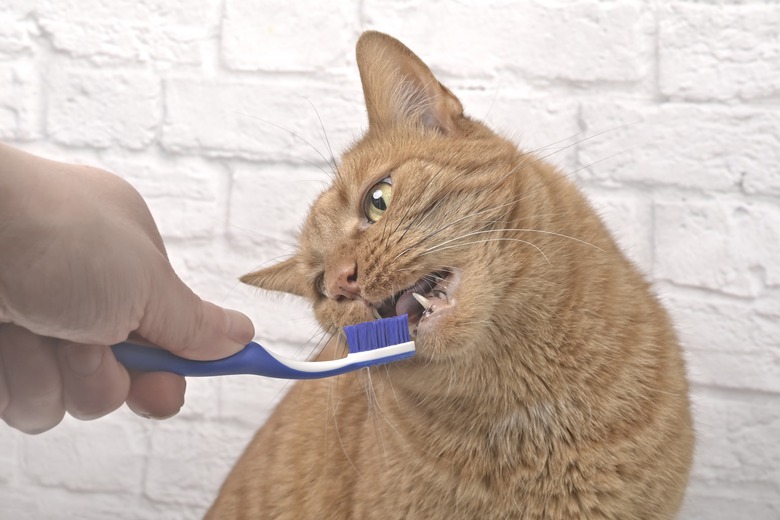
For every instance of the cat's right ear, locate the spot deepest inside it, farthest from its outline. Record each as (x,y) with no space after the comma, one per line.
(287,276)
(400,89)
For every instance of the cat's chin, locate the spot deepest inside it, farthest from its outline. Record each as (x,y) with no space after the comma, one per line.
(426,302)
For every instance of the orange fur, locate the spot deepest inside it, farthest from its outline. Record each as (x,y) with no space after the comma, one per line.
(553,387)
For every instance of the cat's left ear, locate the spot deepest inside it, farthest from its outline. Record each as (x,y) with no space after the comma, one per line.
(287,276)
(400,89)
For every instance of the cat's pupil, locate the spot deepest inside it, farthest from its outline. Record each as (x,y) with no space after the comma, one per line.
(378,201)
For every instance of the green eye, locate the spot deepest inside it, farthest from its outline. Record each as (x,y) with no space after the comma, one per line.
(378,199)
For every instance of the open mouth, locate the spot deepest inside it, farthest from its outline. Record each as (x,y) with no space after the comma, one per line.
(430,294)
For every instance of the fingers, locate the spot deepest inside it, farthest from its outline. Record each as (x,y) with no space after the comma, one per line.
(33,381)
(179,321)
(5,396)
(157,395)
(93,382)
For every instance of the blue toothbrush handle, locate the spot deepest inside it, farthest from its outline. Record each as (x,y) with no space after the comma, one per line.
(252,359)
(256,360)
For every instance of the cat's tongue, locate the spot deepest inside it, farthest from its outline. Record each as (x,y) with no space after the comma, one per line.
(406,304)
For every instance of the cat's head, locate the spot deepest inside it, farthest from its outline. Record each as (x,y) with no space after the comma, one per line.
(419,204)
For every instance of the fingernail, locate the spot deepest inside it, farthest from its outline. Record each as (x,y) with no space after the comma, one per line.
(240,328)
(84,360)
(155,417)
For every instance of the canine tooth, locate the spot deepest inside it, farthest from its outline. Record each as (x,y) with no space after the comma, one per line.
(422,300)
(376,313)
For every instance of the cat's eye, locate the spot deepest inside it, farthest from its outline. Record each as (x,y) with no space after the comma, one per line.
(378,200)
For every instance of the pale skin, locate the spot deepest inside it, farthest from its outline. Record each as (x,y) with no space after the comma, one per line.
(82,267)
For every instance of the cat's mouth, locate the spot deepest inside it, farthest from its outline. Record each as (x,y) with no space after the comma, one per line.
(430,294)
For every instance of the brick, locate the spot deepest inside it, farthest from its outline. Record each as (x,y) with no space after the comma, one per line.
(257,120)
(187,464)
(105,455)
(60,504)
(612,41)
(186,195)
(201,400)
(116,32)
(9,446)
(250,400)
(737,456)
(679,145)
(19,101)
(709,506)
(279,35)
(102,108)
(719,52)
(15,37)
(729,344)
(543,126)
(279,194)
(17,9)
(728,245)
(628,218)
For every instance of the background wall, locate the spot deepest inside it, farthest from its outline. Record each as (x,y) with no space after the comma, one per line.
(666,113)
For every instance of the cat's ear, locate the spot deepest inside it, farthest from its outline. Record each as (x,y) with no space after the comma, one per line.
(400,89)
(287,276)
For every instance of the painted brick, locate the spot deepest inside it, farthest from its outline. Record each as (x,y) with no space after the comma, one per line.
(719,52)
(280,195)
(103,455)
(628,217)
(279,35)
(572,41)
(726,245)
(9,446)
(729,344)
(260,120)
(103,108)
(711,506)
(690,192)
(15,36)
(733,458)
(187,463)
(19,101)
(186,195)
(60,504)
(544,126)
(129,31)
(699,147)
(250,400)
(16,9)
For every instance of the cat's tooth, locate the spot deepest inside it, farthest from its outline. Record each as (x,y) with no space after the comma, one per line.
(376,313)
(422,300)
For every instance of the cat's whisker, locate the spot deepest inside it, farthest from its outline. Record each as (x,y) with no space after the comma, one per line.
(332,162)
(496,239)
(263,235)
(436,247)
(295,135)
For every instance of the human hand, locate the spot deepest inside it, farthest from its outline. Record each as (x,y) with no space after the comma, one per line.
(84,267)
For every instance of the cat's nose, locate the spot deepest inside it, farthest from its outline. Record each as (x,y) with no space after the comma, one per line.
(344,282)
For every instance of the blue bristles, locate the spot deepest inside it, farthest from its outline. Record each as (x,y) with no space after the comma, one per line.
(372,335)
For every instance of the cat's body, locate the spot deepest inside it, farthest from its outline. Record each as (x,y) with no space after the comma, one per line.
(548,381)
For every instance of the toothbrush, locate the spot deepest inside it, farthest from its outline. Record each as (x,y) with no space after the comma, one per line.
(371,343)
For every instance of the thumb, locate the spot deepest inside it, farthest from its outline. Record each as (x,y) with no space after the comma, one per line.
(179,321)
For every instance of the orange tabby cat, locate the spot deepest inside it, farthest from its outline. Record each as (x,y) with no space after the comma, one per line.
(548,381)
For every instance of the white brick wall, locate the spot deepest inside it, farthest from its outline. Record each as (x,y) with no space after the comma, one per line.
(665,112)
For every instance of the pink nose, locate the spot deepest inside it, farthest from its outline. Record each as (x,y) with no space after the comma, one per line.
(343,282)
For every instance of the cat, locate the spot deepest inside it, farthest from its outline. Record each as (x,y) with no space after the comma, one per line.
(548,381)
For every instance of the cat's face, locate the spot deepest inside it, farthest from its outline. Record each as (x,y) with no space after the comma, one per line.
(417,206)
